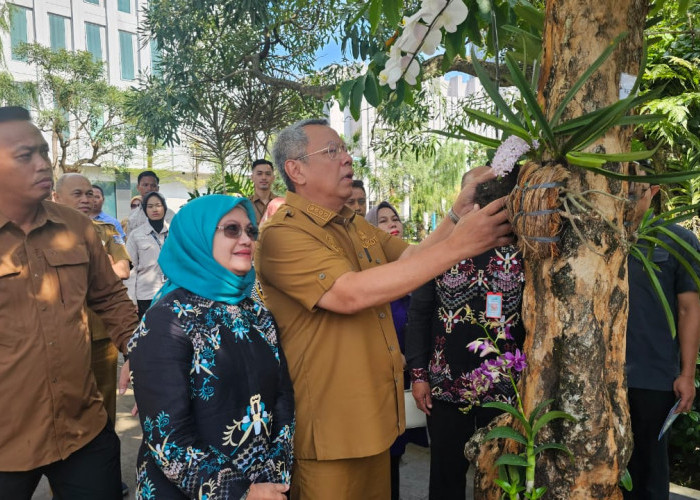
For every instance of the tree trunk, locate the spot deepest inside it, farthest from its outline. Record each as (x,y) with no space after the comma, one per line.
(575,304)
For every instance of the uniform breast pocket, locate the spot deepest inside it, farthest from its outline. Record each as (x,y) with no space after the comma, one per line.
(70,267)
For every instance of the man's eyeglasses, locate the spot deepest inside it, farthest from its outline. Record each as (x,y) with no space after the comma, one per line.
(234,231)
(332,149)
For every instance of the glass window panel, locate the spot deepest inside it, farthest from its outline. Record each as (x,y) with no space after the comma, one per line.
(155,58)
(124,6)
(126,53)
(93,40)
(57,31)
(18,29)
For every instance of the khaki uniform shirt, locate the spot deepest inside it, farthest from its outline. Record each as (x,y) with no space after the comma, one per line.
(115,248)
(260,206)
(49,400)
(346,369)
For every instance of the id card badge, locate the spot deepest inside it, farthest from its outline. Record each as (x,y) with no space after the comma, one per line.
(494,305)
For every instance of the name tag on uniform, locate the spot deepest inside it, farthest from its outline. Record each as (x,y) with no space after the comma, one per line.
(494,305)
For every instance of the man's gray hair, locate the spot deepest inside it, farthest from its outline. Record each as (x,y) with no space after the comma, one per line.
(291,144)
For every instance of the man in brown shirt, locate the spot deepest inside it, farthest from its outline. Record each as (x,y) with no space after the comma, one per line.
(328,277)
(263,175)
(52,264)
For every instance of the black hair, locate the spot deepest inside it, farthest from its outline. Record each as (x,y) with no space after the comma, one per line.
(148,196)
(147,173)
(95,186)
(262,161)
(14,114)
(357,183)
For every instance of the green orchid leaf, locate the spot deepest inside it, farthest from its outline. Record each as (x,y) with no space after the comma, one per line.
(648,268)
(392,11)
(533,106)
(509,409)
(553,446)
(585,76)
(505,433)
(598,127)
(492,90)
(614,157)
(538,409)
(344,93)
(373,92)
(375,12)
(491,120)
(626,480)
(511,459)
(531,44)
(530,14)
(669,217)
(466,135)
(548,417)
(665,178)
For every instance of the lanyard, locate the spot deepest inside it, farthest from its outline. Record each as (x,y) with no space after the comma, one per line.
(160,246)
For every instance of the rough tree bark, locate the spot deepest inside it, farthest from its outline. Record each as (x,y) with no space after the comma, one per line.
(575,305)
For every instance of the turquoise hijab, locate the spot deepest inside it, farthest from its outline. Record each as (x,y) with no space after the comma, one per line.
(186,258)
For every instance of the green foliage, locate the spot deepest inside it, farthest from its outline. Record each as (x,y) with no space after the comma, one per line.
(220,81)
(76,104)
(237,184)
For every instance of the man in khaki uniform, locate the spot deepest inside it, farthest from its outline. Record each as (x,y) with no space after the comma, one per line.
(53,421)
(75,191)
(328,278)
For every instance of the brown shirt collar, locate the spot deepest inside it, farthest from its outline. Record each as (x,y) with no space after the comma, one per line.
(317,213)
(46,212)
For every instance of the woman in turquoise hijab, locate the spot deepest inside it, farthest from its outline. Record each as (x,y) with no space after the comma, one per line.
(211,382)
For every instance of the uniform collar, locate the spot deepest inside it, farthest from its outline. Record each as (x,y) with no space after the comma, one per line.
(47,212)
(320,215)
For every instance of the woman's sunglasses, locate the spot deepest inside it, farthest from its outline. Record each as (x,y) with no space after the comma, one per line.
(234,231)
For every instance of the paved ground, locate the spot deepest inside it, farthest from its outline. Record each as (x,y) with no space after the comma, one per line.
(414,466)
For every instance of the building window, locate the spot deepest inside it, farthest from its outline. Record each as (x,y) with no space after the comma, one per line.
(93,40)
(57,31)
(19,29)
(124,6)
(155,58)
(126,55)
(94,2)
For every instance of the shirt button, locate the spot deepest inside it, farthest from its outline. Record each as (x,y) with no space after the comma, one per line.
(54,380)
(36,275)
(391,348)
(382,315)
(43,308)
(322,276)
(396,381)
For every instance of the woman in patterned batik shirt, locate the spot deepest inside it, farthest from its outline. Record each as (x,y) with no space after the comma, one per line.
(211,382)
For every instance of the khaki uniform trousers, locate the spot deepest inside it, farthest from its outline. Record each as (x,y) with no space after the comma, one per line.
(104,367)
(366,478)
